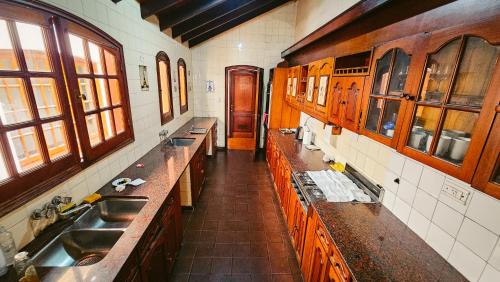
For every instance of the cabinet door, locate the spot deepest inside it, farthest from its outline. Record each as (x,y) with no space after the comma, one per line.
(322,97)
(447,125)
(487,176)
(331,274)
(318,262)
(291,214)
(154,264)
(171,242)
(351,102)
(288,93)
(386,92)
(301,221)
(311,84)
(336,96)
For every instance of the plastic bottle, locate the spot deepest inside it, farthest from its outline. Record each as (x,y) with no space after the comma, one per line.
(8,245)
(3,264)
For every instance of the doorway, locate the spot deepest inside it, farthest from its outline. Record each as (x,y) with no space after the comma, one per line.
(243,107)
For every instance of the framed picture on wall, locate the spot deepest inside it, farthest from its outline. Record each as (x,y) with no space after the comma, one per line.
(310,89)
(294,87)
(322,89)
(288,86)
(143,77)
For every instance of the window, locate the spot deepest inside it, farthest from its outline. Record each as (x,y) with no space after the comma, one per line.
(183,98)
(164,87)
(63,100)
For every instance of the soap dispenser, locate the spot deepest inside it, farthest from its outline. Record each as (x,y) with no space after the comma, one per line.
(8,245)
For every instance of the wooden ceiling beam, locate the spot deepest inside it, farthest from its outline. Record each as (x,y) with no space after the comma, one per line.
(271,4)
(186,13)
(153,7)
(209,16)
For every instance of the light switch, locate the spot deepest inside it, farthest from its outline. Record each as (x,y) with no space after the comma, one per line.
(456,193)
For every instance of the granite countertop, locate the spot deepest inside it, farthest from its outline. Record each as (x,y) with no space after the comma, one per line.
(374,243)
(163,166)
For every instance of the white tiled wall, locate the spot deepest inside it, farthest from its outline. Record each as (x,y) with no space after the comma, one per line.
(466,235)
(141,41)
(257,42)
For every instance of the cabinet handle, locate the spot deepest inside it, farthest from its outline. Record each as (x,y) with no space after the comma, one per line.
(407,96)
(341,269)
(497,108)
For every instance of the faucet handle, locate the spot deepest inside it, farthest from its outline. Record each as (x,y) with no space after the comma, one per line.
(56,200)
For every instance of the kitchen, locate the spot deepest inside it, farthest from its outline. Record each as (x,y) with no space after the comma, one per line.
(200,141)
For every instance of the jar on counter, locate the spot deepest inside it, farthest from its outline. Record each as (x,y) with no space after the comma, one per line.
(24,268)
(8,245)
(3,264)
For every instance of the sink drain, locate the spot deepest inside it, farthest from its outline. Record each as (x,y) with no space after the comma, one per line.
(88,260)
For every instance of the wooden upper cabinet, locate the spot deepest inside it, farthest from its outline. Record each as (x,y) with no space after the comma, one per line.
(387,94)
(336,96)
(351,102)
(310,93)
(317,88)
(447,124)
(487,176)
(297,86)
(288,93)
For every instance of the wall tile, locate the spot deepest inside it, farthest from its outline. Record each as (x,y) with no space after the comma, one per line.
(389,199)
(418,223)
(431,181)
(447,218)
(484,210)
(465,261)
(412,171)
(424,203)
(441,241)
(406,191)
(391,159)
(495,257)
(401,210)
(477,238)
(490,274)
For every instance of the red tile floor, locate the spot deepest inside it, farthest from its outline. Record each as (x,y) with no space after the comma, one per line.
(236,231)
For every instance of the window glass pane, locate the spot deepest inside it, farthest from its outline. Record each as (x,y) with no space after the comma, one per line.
(182,85)
(87,94)
(119,120)
(95,57)
(14,101)
(4,173)
(25,148)
(114,89)
(164,87)
(399,73)
(33,45)
(93,129)
(389,118)
(495,177)
(78,51)
(55,137)
(46,97)
(382,74)
(373,113)
(438,72)
(102,93)
(110,63)
(8,59)
(474,73)
(423,128)
(107,124)
(456,135)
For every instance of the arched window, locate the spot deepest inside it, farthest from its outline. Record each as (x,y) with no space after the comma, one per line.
(164,87)
(53,125)
(183,95)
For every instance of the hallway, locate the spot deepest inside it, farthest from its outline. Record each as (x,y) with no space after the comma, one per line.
(236,231)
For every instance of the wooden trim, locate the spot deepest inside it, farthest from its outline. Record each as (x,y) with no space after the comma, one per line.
(182,63)
(164,117)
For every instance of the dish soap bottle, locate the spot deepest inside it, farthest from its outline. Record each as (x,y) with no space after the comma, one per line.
(8,245)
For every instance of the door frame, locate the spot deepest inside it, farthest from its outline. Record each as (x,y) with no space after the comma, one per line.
(260,77)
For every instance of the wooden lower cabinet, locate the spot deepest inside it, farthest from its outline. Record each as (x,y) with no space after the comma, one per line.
(319,261)
(197,172)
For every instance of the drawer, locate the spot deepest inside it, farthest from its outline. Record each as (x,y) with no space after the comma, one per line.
(323,235)
(339,265)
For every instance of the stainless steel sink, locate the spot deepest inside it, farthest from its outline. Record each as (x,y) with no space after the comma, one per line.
(180,142)
(198,130)
(78,247)
(111,213)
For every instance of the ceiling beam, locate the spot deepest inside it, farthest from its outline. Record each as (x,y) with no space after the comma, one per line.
(153,7)
(209,15)
(216,22)
(271,4)
(188,12)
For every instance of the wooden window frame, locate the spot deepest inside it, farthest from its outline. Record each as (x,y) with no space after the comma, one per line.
(182,63)
(22,187)
(163,57)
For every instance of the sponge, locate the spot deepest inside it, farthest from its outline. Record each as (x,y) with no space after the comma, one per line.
(92,198)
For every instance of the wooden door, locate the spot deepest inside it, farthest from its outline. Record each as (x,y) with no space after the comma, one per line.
(351,103)
(322,97)
(336,96)
(242,107)
(318,262)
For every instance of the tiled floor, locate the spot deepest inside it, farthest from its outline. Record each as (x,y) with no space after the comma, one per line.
(236,231)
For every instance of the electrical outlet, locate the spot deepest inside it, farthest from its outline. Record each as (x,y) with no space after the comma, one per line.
(456,193)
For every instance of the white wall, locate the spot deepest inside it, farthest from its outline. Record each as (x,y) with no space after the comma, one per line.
(465,235)
(311,14)
(141,41)
(257,42)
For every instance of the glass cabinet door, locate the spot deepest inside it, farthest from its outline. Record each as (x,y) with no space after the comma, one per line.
(452,92)
(386,94)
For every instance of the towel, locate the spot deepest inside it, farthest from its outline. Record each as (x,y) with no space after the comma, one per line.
(337,187)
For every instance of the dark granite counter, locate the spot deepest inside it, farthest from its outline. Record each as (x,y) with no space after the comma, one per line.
(374,243)
(163,166)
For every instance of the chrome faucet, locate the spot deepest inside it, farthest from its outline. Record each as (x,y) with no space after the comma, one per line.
(163,134)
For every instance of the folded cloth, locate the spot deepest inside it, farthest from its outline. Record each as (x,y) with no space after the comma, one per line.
(337,187)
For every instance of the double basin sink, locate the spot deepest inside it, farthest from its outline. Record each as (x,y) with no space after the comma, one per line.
(92,235)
